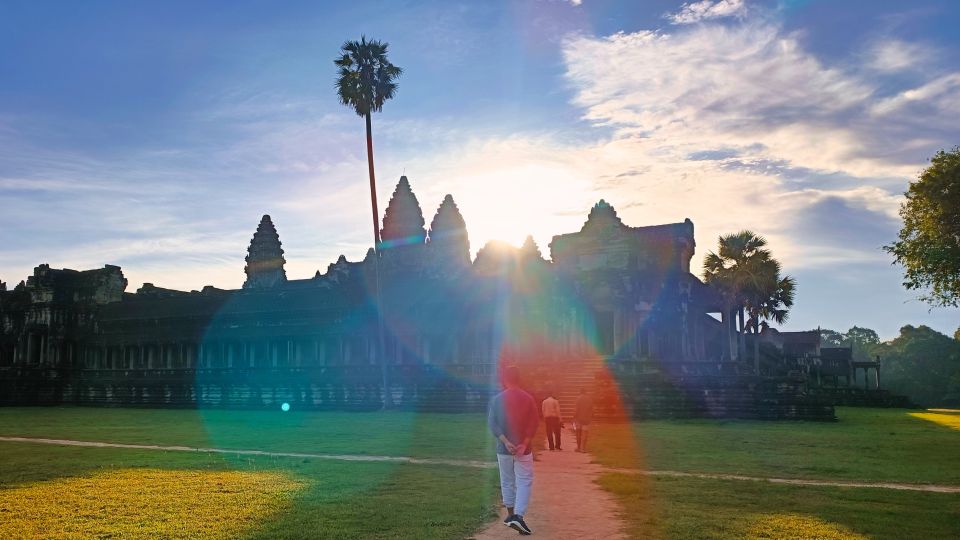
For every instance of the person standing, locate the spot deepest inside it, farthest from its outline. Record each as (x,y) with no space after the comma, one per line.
(583,416)
(513,419)
(551,417)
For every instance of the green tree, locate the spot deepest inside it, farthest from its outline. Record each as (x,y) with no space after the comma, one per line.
(365,81)
(748,279)
(922,364)
(929,242)
(862,341)
(831,338)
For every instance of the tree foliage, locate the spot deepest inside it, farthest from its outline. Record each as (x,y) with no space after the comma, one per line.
(747,276)
(923,364)
(929,242)
(863,341)
(366,78)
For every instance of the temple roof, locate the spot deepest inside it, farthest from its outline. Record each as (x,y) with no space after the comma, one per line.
(448,234)
(403,219)
(264,257)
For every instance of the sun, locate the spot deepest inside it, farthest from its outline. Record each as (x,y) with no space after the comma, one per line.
(507,202)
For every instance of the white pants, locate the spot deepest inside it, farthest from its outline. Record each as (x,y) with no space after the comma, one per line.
(516,480)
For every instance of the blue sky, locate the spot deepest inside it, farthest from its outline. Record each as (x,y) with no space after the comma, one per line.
(155,135)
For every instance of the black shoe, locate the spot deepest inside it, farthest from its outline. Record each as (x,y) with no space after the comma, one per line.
(508,519)
(519,525)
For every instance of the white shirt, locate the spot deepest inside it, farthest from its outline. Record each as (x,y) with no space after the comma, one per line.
(550,408)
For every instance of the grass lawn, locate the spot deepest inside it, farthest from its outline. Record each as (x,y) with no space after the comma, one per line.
(688,508)
(66,492)
(88,492)
(453,436)
(864,445)
(71,492)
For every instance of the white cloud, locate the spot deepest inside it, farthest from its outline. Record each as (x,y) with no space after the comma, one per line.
(706,10)
(892,55)
(942,94)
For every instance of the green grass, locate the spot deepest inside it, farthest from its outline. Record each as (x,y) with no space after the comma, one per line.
(332,500)
(454,436)
(295,498)
(865,444)
(336,500)
(687,508)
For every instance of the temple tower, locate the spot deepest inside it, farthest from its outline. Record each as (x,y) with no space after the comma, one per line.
(449,244)
(264,258)
(403,220)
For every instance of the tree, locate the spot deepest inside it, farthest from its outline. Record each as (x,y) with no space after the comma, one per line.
(929,242)
(922,364)
(831,338)
(748,279)
(366,80)
(862,341)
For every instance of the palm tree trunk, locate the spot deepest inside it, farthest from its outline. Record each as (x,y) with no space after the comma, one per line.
(756,350)
(741,338)
(384,368)
(373,185)
(729,318)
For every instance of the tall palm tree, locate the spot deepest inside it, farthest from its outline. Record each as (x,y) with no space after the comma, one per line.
(365,81)
(770,301)
(747,278)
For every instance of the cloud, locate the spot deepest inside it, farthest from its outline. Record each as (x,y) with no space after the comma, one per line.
(894,55)
(741,125)
(706,10)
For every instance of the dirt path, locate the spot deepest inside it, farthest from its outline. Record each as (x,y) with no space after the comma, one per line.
(566,502)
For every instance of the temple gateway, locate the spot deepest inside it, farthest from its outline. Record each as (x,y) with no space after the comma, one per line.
(615,309)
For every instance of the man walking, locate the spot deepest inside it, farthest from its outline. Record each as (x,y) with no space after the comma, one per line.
(513,420)
(551,417)
(582,418)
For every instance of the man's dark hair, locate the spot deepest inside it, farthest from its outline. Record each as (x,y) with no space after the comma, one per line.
(510,376)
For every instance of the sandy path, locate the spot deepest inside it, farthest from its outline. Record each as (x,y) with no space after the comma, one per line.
(566,502)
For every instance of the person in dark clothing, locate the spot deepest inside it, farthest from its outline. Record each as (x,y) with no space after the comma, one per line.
(513,419)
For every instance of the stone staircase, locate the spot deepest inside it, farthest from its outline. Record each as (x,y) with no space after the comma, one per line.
(577,374)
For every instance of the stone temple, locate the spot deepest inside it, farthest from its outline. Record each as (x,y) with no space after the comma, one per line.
(614,309)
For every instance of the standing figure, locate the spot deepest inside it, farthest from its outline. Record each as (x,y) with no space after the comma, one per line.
(551,416)
(513,419)
(582,417)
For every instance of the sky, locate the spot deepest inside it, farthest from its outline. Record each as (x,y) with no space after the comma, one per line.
(154,135)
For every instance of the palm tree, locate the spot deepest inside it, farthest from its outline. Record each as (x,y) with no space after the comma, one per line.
(366,80)
(748,279)
(770,302)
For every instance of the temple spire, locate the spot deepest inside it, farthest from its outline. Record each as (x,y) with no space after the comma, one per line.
(448,234)
(403,220)
(264,258)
